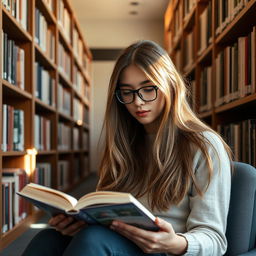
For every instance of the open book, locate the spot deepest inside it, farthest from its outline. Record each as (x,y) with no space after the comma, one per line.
(97,207)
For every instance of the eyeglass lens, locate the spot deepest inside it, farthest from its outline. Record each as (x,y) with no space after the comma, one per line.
(146,93)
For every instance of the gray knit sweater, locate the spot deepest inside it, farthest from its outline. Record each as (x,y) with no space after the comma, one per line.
(202,220)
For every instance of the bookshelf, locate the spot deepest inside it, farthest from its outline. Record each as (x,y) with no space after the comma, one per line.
(45,98)
(213,45)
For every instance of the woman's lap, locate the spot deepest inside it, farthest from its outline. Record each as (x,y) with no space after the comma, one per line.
(93,240)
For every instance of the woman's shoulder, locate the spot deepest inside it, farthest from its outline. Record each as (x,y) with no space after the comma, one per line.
(213,139)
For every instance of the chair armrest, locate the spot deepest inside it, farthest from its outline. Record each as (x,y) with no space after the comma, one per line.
(250,253)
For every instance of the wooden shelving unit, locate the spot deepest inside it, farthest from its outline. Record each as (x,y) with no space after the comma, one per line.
(50,53)
(213,44)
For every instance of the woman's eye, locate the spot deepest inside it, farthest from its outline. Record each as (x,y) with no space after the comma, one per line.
(128,92)
(149,89)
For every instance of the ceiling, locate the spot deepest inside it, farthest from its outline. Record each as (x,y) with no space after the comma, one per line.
(118,9)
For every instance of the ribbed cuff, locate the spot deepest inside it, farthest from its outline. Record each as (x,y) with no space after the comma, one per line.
(193,245)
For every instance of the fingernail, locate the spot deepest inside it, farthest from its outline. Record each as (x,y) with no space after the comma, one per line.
(114,223)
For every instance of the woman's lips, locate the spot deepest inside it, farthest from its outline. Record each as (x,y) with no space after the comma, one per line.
(142,113)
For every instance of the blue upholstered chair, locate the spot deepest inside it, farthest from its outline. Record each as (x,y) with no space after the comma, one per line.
(241,226)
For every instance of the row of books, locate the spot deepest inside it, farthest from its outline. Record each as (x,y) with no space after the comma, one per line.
(13,132)
(64,19)
(86,140)
(78,111)
(87,92)
(188,7)
(64,171)
(43,174)
(205,89)
(19,10)
(13,62)
(45,85)
(241,137)
(205,28)
(189,53)
(78,80)
(226,11)
(14,208)
(63,179)
(64,136)
(178,19)
(235,69)
(50,4)
(43,133)
(86,115)
(13,129)
(44,35)
(77,139)
(64,100)
(64,62)
(78,47)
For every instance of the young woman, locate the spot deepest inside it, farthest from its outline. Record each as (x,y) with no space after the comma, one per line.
(158,150)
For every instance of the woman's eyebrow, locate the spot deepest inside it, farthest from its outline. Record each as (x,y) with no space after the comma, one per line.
(141,83)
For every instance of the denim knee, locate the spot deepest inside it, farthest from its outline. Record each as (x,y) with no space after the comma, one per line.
(47,242)
(94,234)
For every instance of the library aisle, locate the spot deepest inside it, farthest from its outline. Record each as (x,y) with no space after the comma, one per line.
(52,93)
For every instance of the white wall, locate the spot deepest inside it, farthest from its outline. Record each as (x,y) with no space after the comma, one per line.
(111,34)
(100,76)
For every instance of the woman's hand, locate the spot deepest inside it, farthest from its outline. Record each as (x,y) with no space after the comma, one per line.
(66,225)
(165,240)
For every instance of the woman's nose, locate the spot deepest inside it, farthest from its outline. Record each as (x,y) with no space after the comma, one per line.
(137,100)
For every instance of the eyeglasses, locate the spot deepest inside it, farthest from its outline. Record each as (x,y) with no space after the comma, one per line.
(146,93)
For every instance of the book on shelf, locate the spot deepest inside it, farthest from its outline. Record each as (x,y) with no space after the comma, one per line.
(14,208)
(235,65)
(101,207)
(13,129)
(241,137)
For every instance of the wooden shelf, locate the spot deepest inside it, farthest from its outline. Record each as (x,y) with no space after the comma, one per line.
(44,107)
(50,17)
(64,80)
(19,229)
(45,60)
(250,99)
(206,114)
(224,70)
(14,91)
(206,54)
(239,25)
(14,29)
(50,152)
(14,153)
(188,19)
(65,117)
(40,126)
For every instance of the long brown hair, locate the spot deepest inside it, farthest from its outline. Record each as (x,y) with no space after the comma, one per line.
(124,162)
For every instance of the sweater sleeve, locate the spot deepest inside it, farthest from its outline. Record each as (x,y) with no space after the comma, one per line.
(207,220)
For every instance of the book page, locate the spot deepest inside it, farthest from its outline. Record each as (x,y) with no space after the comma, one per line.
(103,197)
(49,191)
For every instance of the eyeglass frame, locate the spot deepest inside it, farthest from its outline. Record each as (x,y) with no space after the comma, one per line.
(137,92)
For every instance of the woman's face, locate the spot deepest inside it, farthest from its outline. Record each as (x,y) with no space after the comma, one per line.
(147,113)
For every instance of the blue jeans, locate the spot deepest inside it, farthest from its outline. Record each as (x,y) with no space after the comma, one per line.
(94,240)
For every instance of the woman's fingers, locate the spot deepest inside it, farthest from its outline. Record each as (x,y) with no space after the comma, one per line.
(56,219)
(66,225)
(74,228)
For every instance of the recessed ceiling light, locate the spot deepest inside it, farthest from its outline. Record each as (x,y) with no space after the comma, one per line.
(133,12)
(134,3)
